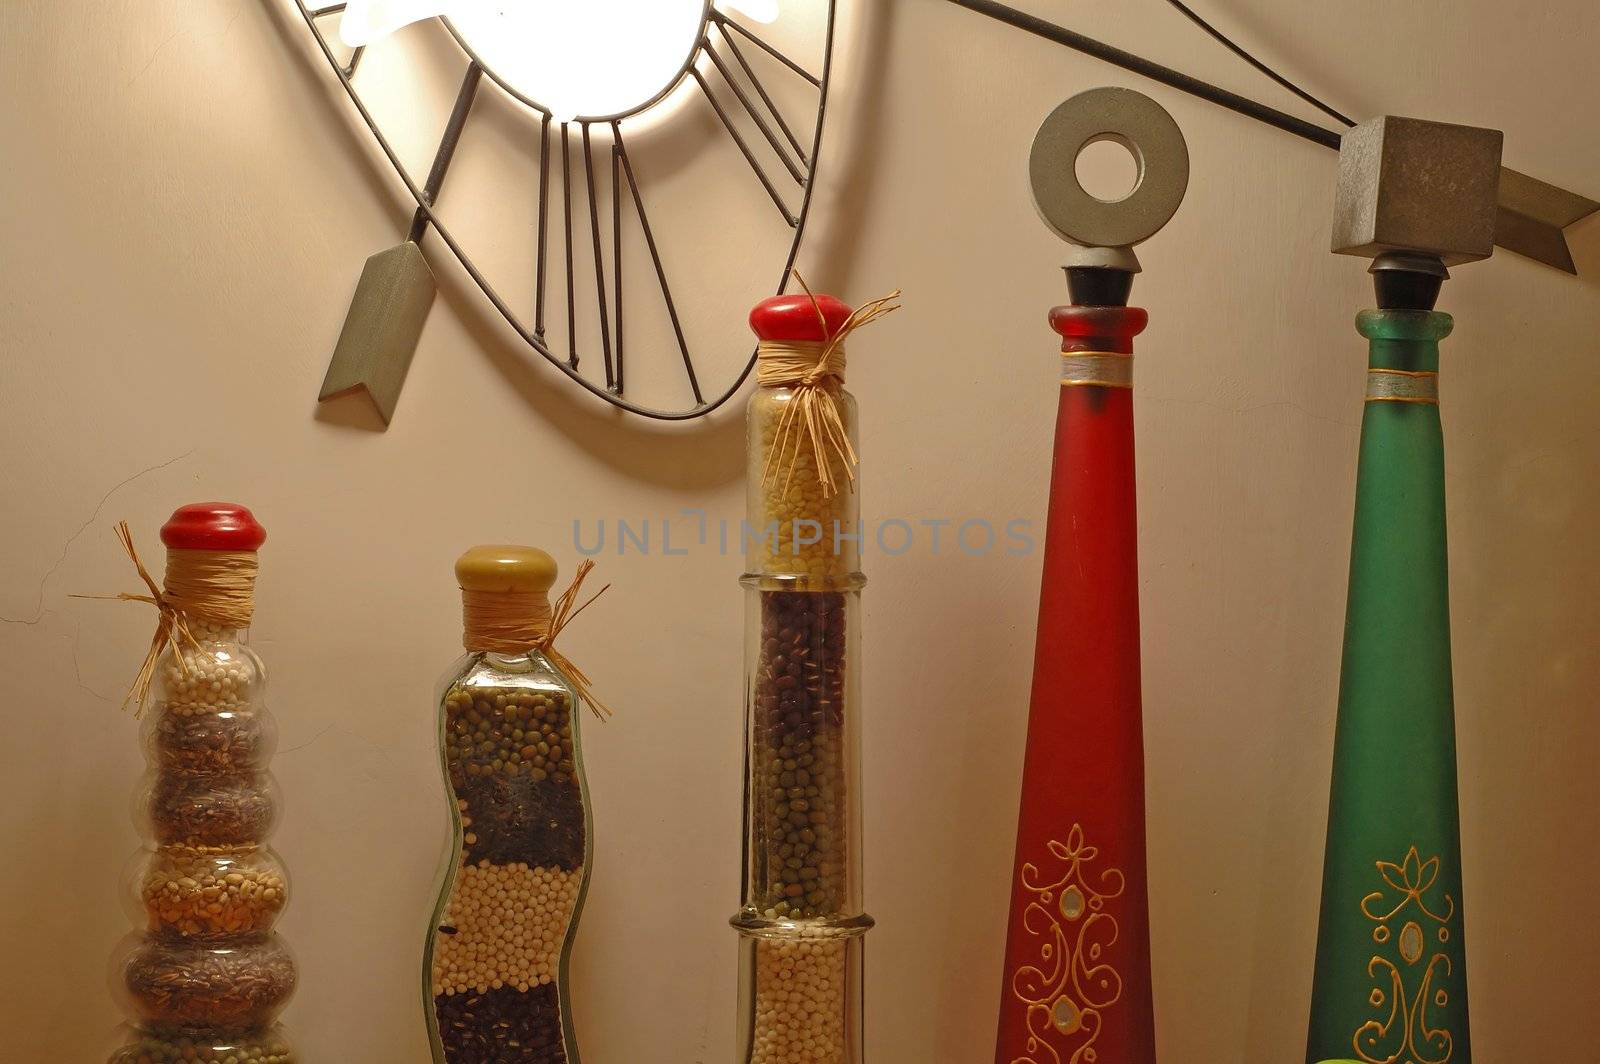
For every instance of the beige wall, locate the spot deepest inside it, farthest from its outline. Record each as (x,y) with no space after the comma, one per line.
(184,208)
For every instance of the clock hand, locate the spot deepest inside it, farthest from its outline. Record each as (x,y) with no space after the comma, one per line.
(396,289)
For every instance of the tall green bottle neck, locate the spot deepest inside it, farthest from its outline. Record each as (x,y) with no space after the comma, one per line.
(1403,354)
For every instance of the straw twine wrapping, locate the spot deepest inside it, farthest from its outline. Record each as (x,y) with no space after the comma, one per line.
(208,585)
(815,369)
(515,622)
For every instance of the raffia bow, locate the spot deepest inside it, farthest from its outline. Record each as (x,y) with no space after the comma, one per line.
(172,629)
(813,370)
(511,622)
(562,615)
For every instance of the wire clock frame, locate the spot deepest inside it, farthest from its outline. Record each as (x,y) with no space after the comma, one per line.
(719,51)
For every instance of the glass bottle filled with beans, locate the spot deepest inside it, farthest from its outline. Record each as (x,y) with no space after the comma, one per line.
(801,921)
(204,976)
(517,868)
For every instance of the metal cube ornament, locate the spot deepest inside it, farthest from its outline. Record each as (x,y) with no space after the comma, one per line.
(1415,186)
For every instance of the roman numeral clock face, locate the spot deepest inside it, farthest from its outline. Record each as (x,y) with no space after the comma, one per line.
(621,178)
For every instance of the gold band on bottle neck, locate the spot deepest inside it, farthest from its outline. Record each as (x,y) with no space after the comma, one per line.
(1403,386)
(1096,369)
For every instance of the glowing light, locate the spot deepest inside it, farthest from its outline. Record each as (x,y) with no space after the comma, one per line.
(577,57)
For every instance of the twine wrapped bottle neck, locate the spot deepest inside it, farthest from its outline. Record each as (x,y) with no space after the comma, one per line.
(515,622)
(813,422)
(799,362)
(505,622)
(212,585)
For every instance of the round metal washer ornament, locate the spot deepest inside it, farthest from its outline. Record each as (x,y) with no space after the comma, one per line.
(1143,127)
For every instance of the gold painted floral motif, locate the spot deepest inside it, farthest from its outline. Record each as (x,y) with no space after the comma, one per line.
(1404,1036)
(1071,984)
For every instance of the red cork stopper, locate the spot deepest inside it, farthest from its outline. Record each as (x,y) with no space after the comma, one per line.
(794,318)
(213,526)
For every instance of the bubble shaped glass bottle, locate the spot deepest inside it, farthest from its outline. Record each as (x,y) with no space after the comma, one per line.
(205,975)
(495,970)
(801,922)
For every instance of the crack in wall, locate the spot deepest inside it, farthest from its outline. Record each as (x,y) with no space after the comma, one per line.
(39,610)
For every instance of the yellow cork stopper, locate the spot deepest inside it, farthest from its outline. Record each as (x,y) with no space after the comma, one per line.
(505,568)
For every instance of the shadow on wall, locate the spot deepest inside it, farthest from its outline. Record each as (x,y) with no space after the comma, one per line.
(1584,239)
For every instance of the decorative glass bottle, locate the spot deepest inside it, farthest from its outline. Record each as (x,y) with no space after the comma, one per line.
(1390,979)
(801,924)
(1076,980)
(495,972)
(205,976)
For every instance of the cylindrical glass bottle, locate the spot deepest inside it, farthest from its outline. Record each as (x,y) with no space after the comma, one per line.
(205,976)
(495,973)
(801,924)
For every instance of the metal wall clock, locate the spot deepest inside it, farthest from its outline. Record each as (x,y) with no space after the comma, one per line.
(610,138)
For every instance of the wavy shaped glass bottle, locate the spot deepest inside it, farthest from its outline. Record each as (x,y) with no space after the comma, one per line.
(517,870)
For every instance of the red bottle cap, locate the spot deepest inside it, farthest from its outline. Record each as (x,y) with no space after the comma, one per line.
(213,526)
(794,318)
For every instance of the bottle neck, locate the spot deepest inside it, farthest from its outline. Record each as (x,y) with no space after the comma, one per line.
(525,661)
(506,623)
(1404,339)
(1110,329)
(1403,354)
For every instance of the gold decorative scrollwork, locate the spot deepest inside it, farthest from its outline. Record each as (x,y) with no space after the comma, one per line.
(1071,983)
(1404,1036)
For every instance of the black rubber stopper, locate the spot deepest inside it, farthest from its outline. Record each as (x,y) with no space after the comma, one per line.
(1099,286)
(1404,290)
(1407,280)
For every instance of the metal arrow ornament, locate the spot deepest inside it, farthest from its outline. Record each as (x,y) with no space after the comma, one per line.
(395,291)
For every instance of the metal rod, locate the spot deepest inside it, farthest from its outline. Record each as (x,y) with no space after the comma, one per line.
(331,9)
(738,54)
(544,223)
(761,123)
(749,156)
(599,263)
(1155,71)
(616,256)
(447,147)
(724,21)
(1283,82)
(566,194)
(655,258)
